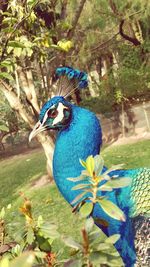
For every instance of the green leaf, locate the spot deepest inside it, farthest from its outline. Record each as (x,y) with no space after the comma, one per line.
(16,250)
(43,243)
(113,168)
(118,182)
(9,49)
(9,20)
(103,247)
(29,51)
(76,179)
(79,197)
(115,261)
(98,257)
(16,44)
(106,177)
(18,51)
(55,46)
(97,236)
(4,128)
(49,230)
(5,75)
(85,173)
(2,213)
(65,45)
(83,163)
(112,239)
(6,63)
(9,206)
(86,209)
(31,2)
(111,209)
(40,221)
(70,242)
(80,186)
(104,187)
(99,163)
(30,236)
(90,165)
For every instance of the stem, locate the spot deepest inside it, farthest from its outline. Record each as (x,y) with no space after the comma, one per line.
(95,188)
(86,248)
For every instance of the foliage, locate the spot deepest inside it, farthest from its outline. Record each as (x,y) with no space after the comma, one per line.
(10,123)
(35,38)
(8,120)
(35,247)
(37,235)
(39,34)
(99,104)
(32,32)
(92,182)
(96,249)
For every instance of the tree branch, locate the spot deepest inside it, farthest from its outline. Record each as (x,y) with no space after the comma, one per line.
(15,102)
(104,43)
(114,7)
(134,41)
(76,18)
(63,9)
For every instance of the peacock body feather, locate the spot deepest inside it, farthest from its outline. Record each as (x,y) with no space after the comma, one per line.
(78,137)
(77,143)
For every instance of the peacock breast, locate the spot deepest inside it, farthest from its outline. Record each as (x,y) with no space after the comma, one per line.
(81,139)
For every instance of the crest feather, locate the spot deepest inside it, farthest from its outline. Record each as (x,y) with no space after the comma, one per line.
(69,80)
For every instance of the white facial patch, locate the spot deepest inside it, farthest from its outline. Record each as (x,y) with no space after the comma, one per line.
(60,115)
(46,116)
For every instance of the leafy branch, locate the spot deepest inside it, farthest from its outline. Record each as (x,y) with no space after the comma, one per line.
(34,245)
(94,182)
(16,27)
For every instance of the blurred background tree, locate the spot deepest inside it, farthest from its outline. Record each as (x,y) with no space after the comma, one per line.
(107,38)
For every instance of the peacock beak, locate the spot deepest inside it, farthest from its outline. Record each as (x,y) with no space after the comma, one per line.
(38,128)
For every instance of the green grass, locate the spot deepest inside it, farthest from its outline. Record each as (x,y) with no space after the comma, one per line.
(17,174)
(132,155)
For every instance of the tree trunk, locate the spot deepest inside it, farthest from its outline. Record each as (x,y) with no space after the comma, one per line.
(45,140)
(27,84)
(48,146)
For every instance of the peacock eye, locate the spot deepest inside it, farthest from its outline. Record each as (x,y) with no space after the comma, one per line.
(52,113)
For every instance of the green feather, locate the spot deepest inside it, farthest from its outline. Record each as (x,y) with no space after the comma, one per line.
(140,193)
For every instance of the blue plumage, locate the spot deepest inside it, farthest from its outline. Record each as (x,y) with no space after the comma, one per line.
(76,142)
(79,135)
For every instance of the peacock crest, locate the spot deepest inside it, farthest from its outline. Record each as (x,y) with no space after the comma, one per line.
(69,80)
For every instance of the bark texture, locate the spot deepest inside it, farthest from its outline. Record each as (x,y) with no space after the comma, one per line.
(44,139)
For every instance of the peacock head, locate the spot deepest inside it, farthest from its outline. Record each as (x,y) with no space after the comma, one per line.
(57,112)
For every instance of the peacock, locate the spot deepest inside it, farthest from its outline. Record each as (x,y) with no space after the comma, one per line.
(79,135)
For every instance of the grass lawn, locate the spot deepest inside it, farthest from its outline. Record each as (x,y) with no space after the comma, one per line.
(18,172)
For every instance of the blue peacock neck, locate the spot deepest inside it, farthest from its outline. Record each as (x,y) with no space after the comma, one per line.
(80,139)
